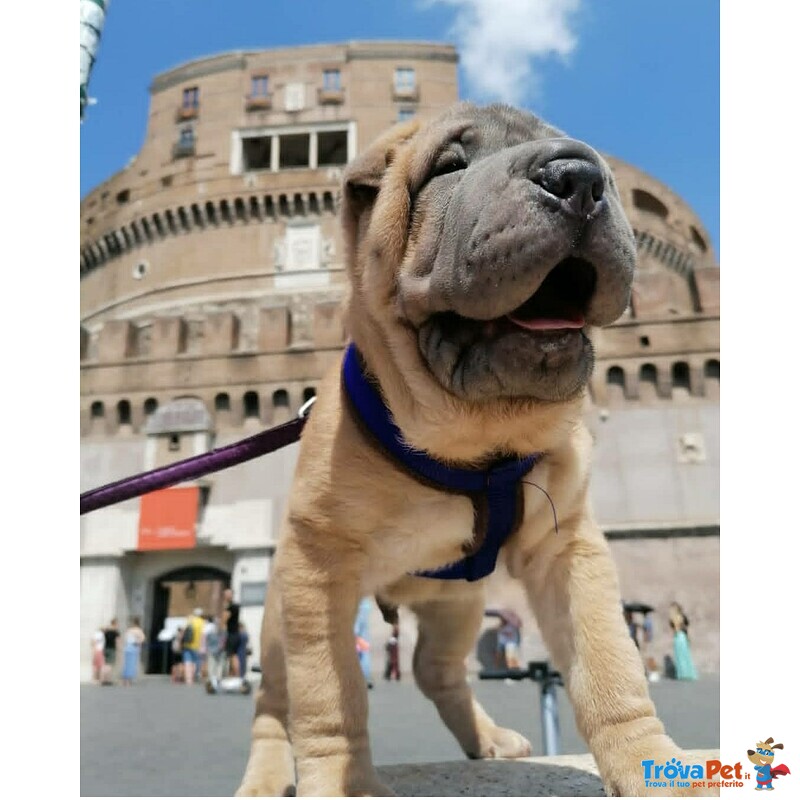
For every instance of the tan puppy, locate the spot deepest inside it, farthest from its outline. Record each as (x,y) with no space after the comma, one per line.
(481,247)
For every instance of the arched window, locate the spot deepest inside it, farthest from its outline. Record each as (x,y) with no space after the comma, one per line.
(647,202)
(680,379)
(308,393)
(615,385)
(648,382)
(711,370)
(97,410)
(280,399)
(251,405)
(222,402)
(698,239)
(150,406)
(124,412)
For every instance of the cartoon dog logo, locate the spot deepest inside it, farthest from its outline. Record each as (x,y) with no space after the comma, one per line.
(762,757)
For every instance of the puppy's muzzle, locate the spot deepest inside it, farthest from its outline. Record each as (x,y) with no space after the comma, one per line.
(576,182)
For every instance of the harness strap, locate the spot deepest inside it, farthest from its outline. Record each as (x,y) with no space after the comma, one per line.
(495,492)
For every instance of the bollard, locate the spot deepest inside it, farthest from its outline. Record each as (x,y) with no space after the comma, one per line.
(540,672)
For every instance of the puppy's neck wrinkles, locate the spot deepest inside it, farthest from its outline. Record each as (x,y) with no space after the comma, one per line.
(495,491)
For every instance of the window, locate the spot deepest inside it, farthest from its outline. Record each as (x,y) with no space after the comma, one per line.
(186,137)
(259,86)
(647,202)
(123,196)
(331,148)
(294,150)
(404,114)
(252,406)
(331,80)
(404,79)
(280,398)
(191,98)
(257,152)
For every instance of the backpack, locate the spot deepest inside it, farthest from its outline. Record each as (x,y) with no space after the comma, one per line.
(188,635)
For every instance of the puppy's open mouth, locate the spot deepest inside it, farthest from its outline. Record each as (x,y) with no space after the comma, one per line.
(537,349)
(562,299)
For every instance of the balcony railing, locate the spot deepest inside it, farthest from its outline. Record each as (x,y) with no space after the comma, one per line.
(406,93)
(330,96)
(260,102)
(186,112)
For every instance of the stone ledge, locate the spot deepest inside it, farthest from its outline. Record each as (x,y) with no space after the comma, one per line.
(540,776)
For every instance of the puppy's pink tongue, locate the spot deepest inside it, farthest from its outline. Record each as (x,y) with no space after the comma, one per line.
(543,324)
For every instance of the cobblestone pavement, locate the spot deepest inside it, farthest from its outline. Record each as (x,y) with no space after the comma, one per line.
(158,739)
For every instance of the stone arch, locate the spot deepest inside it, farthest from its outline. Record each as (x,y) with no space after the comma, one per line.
(123,413)
(252,405)
(281,411)
(97,417)
(711,378)
(645,201)
(681,380)
(615,385)
(648,382)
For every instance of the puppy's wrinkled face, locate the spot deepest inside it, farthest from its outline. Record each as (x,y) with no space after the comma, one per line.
(515,244)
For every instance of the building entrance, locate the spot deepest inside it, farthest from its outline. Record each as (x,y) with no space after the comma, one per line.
(175,595)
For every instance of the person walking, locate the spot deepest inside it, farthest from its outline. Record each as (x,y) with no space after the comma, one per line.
(192,644)
(133,640)
(244,649)
(230,621)
(98,657)
(679,622)
(215,652)
(111,634)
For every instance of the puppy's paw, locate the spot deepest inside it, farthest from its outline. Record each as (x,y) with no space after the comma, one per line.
(625,774)
(497,742)
(270,770)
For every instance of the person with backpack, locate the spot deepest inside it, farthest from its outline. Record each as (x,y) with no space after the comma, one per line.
(192,645)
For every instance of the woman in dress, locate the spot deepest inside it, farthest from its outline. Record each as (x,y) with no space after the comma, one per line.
(134,639)
(684,666)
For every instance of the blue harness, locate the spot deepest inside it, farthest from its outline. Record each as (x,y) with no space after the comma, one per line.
(496,492)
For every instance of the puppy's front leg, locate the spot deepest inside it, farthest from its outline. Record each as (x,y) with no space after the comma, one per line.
(572,585)
(320,577)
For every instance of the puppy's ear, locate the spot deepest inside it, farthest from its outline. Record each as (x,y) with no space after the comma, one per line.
(363,175)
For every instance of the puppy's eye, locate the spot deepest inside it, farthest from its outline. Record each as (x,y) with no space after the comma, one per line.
(449,161)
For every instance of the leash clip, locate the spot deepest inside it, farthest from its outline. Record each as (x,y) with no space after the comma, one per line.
(306,407)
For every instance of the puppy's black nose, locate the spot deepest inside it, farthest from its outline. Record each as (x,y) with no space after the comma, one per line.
(576,180)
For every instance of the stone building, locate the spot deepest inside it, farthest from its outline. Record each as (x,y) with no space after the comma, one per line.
(211,279)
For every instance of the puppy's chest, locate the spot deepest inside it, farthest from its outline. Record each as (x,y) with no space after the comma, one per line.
(426,532)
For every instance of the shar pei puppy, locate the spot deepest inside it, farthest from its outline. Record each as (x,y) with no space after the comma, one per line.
(481,249)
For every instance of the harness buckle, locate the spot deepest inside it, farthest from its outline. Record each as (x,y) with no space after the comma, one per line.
(306,407)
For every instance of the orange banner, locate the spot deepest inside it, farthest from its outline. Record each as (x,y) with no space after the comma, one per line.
(167,519)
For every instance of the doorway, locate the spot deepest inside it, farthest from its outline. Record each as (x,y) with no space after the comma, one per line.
(176,594)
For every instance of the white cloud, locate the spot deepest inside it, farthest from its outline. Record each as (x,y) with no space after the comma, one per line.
(500,40)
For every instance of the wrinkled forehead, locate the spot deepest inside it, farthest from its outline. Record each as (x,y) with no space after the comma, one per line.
(480,130)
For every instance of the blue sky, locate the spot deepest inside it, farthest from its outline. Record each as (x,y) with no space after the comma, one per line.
(638,79)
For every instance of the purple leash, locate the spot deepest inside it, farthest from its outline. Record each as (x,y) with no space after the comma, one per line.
(196,466)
